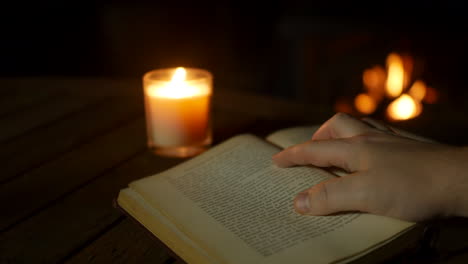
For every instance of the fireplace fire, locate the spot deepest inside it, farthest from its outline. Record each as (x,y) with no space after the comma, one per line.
(393,89)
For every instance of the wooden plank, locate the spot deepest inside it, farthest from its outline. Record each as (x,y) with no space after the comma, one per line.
(72,222)
(47,112)
(228,123)
(451,235)
(460,258)
(72,86)
(228,100)
(19,99)
(448,241)
(33,149)
(40,187)
(36,188)
(271,108)
(19,93)
(126,243)
(42,195)
(80,217)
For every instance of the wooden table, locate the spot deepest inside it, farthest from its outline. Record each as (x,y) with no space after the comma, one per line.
(69,145)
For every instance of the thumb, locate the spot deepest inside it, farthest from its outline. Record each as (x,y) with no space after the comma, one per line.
(332,196)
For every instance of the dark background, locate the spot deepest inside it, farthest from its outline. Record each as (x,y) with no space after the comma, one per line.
(310,51)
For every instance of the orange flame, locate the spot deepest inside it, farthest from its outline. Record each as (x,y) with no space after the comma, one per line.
(177,88)
(418,90)
(404,108)
(431,96)
(365,103)
(374,82)
(396,75)
(408,65)
(393,83)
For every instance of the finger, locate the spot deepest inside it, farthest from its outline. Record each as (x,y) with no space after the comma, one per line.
(333,196)
(341,126)
(322,153)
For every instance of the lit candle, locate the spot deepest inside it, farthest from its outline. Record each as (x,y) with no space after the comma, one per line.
(177,106)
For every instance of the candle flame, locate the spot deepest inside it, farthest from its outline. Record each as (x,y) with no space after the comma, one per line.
(177,88)
(179,75)
(403,108)
(396,75)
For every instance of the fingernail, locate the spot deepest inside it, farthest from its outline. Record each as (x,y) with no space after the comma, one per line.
(302,203)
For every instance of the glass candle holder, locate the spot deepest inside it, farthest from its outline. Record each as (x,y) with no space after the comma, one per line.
(178,111)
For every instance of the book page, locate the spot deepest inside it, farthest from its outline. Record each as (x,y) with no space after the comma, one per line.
(291,136)
(235,204)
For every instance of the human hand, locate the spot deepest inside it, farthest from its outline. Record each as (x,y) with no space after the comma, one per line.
(391,172)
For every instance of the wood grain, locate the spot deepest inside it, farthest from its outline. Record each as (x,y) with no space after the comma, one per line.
(69,145)
(19,99)
(271,108)
(38,188)
(48,111)
(126,243)
(81,216)
(33,149)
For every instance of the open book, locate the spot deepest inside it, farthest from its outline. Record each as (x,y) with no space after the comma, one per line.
(231,204)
